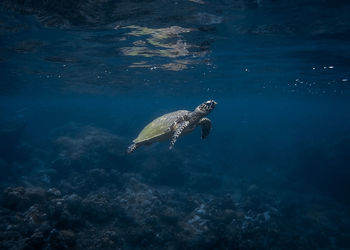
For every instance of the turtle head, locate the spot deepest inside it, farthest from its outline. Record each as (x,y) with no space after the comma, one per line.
(206,107)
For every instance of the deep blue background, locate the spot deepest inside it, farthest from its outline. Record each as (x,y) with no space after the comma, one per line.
(279,70)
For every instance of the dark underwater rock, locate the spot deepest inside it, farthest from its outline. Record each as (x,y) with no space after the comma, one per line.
(99,208)
(35,241)
(63,239)
(100,177)
(54,192)
(134,214)
(84,148)
(140,216)
(20,198)
(94,179)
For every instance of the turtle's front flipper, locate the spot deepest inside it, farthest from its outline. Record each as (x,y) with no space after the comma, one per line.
(178,132)
(205,123)
(131,148)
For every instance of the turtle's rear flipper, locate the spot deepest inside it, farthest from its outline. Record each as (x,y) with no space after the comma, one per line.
(131,148)
(178,132)
(205,123)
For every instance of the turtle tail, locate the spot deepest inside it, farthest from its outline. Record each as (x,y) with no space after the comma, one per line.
(131,148)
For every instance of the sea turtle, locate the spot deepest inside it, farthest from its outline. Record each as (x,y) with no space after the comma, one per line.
(175,124)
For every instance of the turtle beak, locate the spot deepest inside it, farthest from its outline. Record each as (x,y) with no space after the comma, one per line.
(213,103)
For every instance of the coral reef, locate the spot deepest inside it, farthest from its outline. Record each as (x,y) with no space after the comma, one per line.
(141,216)
(91,201)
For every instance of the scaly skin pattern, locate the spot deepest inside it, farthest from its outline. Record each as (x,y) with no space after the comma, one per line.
(205,123)
(178,132)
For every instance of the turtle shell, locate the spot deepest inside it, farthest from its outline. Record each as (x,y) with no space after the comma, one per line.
(159,126)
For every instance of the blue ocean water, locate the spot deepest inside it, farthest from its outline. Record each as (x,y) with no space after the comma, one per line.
(80,79)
